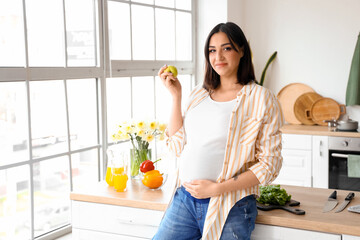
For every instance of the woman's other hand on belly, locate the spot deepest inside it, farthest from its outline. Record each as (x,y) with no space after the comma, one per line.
(202,188)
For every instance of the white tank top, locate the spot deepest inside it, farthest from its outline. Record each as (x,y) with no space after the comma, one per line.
(206,127)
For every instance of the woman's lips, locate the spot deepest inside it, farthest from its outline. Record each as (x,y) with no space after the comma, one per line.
(220,64)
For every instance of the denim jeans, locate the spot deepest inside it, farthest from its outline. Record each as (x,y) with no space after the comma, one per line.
(184,219)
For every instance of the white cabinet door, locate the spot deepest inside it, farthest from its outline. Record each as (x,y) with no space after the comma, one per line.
(296,168)
(348,237)
(80,234)
(268,232)
(106,218)
(320,161)
(296,141)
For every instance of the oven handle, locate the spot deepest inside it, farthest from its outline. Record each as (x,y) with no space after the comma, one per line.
(339,155)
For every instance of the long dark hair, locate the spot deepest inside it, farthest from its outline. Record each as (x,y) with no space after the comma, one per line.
(245,72)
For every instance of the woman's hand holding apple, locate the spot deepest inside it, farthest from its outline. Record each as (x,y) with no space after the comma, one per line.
(168,76)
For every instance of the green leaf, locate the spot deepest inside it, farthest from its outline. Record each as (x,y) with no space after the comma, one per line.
(272,57)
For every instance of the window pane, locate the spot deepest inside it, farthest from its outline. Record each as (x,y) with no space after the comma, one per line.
(163,101)
(185,81)
(48,118)
(183,36)
(165,34)
(15,203)
(144,1)
(143,98)
(12,40)
(51,194)
(143,32)
(118,102)
(13,123)
(119,31)
(80,32)
(45,25)
(165,3)
(183,4)
(84,169)
(82,113)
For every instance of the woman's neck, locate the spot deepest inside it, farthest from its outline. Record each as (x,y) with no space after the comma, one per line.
(226,91)
(228,84)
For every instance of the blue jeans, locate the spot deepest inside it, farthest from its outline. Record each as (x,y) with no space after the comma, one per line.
(184,219)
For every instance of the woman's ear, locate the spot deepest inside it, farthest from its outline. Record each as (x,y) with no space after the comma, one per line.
(241,51)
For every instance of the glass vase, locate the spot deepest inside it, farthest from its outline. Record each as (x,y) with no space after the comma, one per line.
(137,156)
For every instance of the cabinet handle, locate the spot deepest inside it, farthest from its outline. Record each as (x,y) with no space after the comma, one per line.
(339,155)
(320,152)
(130,222)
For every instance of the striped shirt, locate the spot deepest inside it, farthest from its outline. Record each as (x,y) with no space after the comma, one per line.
(253,143)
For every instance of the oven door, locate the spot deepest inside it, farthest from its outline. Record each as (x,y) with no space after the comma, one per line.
(338,171)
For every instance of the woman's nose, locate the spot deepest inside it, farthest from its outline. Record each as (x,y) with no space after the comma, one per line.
(219,55)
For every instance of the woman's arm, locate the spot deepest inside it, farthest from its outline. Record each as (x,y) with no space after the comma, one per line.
(206,188)
(174,87)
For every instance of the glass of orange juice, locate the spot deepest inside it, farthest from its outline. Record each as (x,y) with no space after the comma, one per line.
(119,172)
(109,176)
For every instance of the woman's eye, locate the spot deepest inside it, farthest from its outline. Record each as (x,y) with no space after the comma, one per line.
(227,48)
(211,50)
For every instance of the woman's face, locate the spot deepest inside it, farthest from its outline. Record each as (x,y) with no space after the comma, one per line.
(223,58)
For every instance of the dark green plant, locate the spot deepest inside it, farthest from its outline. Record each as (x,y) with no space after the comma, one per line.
(272,57)
(273,194)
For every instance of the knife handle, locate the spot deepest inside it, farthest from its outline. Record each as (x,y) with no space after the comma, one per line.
(333,195)
(350,196)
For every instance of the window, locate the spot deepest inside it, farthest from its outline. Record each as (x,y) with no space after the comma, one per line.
(65,81)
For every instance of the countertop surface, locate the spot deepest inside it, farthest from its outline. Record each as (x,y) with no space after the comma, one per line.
(136,195)
(311,200)
(315,130)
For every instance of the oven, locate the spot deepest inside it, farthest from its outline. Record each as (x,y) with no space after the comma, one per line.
(339,149)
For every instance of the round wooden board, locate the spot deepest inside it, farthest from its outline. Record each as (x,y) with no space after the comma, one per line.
(287,97)
(325,109)
(302,107)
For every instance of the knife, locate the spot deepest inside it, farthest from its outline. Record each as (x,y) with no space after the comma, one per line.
(343,205)
(331,203)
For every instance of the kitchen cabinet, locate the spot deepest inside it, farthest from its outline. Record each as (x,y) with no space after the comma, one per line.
(268,232)
(297,160)
(348,237)
(305,161)
(106,221)
(320,161)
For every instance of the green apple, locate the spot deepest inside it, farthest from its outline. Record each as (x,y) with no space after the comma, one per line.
(172,69)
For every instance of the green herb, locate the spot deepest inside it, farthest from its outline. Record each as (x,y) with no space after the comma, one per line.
(272,194)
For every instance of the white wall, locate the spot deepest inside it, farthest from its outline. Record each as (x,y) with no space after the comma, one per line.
(315,40)
(209,14)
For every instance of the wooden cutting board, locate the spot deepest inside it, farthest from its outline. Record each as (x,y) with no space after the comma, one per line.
(326,109)
(287,97)
(302,107)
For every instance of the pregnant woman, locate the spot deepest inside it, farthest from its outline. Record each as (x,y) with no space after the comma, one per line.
(228,142)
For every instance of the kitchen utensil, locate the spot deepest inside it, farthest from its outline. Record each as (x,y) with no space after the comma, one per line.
(288,207)
(303,105)
(326,109)
(343,205)
(331,202)
(287,97)
(355,208)
(345,124)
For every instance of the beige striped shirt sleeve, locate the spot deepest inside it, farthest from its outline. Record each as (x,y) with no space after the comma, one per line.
(268,145)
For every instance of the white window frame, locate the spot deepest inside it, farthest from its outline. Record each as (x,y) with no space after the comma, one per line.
(103,69)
